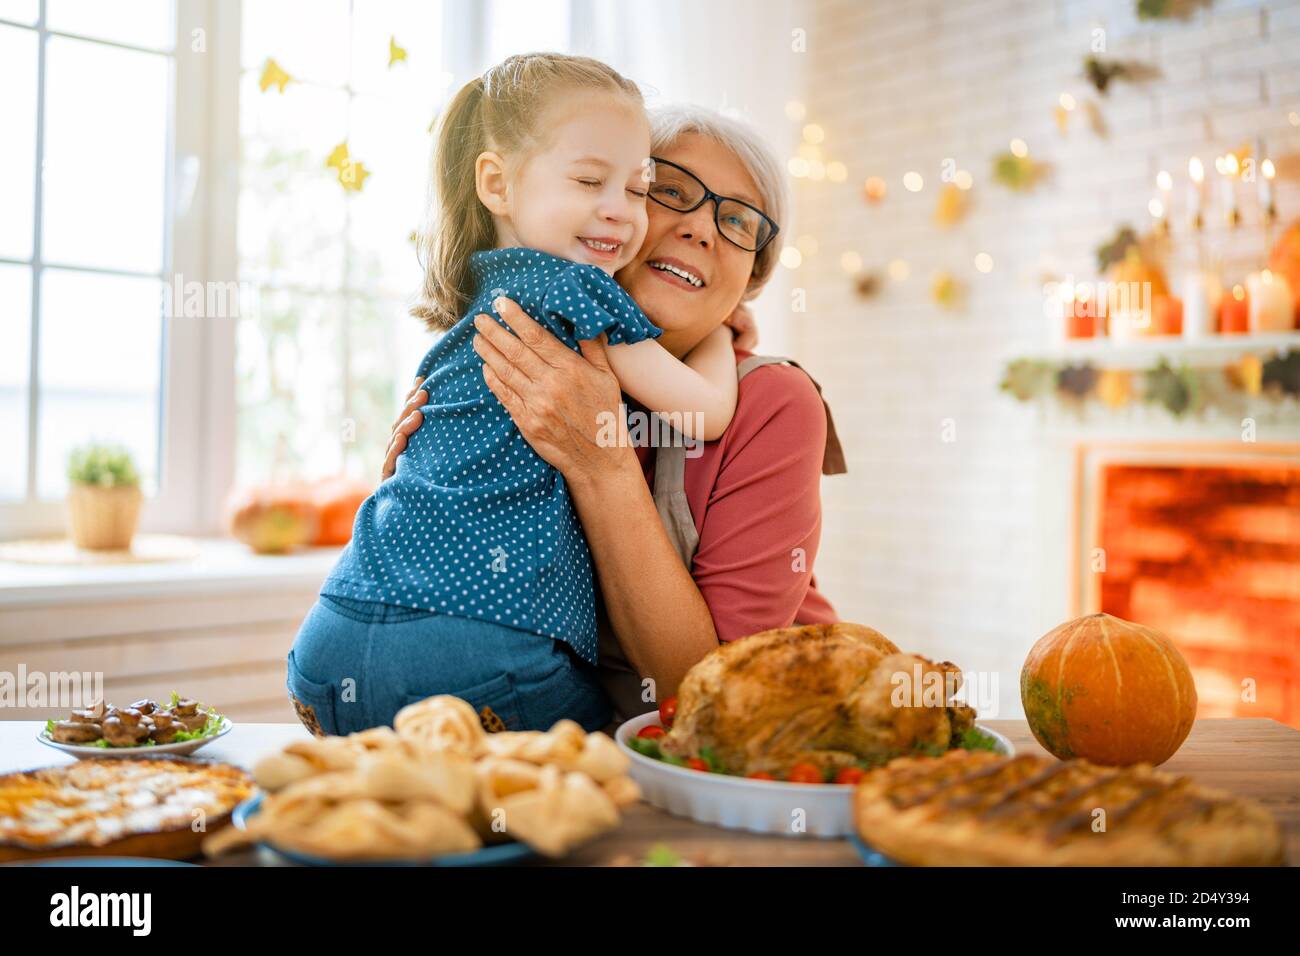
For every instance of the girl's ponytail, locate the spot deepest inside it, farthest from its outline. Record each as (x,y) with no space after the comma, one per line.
(458,224)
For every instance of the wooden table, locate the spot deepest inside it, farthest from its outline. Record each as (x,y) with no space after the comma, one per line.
(1254,758)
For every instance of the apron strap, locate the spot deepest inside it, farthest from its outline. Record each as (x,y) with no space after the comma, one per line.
(833,462)
(670,470)
(670,500)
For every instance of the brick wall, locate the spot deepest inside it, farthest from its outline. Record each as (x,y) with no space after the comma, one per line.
(960,549)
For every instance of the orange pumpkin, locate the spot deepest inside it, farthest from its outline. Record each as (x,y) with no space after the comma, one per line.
(272,519)
(1285,260)
(337,501)
(1108,690)
(1132,279)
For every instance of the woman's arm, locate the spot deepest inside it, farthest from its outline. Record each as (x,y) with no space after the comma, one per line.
(762,525)
(558,400)
(704,384)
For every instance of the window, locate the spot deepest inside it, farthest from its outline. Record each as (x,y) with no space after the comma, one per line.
(88,86)
(330,348)
(165,166)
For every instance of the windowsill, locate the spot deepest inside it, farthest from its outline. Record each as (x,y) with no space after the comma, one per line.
(222,567)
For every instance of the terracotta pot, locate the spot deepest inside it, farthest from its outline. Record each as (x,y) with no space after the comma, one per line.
(103,519)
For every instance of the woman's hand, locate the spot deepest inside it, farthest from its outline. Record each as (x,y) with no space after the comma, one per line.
(408,422)
(744,328)
(563,404)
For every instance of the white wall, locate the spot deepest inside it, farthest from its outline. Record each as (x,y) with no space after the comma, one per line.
(960,550)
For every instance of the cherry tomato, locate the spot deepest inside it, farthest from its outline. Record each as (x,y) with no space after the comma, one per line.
(760,775)
(850,775)
(695,763)
(651,732)
(668,711)
(805,773)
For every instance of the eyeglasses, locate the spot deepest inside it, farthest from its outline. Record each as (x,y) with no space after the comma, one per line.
(738,222)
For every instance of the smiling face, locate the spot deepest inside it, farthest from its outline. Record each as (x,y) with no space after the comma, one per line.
(689,307)
(581,196)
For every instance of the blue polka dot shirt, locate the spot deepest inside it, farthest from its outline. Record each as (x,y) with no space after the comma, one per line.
(474,523)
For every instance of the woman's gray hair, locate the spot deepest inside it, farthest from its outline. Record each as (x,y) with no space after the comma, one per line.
(670,123)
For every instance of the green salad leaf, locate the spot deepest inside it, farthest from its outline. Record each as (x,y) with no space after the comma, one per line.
(645,746)
(972,738)
(207,730)
(661,854)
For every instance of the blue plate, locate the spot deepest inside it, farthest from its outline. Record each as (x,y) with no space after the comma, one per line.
(90,861)
(869,856)
(503,854)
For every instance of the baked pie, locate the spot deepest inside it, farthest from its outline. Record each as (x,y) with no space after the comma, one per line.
(117,807)
(975,808)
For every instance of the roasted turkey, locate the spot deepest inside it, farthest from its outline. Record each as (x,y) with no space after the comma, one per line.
(823,694)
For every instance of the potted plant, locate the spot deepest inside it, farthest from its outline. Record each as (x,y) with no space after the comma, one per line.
(103,497)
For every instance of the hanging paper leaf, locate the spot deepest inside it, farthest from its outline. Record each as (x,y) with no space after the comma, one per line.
(867,285)
(338,156)
(1076,381)
(351,174)
(951,207)
(1246,374)
(1096,122)
(1169,9)
(1175,389)
(273,75)
(395,52)
(1282,372)
(945,290)
(1028,378)
(1115,387)
(1100,72)
(1019,173)
(1116,250)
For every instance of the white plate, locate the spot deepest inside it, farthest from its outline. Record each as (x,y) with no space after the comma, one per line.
(181,749)
(738,803)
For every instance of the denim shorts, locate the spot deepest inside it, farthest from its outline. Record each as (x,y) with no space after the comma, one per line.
(355,664)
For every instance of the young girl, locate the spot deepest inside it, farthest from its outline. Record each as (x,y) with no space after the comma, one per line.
(468,573)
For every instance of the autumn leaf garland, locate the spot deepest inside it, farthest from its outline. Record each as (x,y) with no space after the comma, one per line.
(1178,389)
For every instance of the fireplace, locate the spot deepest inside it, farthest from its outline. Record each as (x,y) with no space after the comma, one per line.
(1202,542)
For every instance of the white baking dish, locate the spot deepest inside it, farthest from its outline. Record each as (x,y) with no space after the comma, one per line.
(738,803)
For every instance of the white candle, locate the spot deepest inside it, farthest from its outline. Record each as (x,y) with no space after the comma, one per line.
(1228,168)
(1266,203)
(1271,304)
(1195,191)
(1165,183)
(1201,293)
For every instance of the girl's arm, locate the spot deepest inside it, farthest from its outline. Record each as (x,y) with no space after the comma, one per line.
(705,383)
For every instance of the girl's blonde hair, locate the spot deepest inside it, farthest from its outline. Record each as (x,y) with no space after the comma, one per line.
(497,111)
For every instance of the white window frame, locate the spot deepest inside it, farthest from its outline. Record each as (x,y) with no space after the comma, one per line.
(198,389)
(196,431)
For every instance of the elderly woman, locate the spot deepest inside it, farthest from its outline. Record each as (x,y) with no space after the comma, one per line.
(710,545)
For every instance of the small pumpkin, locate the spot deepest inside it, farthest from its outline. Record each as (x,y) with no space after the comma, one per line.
(272,519)
(337,501)
(1108,690)
(1136,285)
